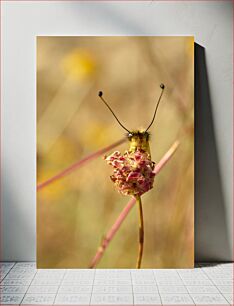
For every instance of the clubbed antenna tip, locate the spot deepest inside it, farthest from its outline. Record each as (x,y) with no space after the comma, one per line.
(162,86)
(100,93)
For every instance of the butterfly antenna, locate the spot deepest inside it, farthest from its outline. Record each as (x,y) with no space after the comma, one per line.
(100,94)
(162,86)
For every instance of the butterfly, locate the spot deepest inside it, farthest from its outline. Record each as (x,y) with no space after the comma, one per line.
(133,171)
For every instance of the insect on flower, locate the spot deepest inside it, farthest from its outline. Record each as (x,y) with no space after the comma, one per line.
(133,171)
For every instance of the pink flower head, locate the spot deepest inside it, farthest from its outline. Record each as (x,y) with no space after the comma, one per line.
(133,172)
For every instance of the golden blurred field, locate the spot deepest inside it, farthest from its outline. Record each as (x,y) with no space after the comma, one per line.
(74,213)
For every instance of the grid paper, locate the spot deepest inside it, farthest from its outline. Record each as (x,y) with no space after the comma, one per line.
(207,284)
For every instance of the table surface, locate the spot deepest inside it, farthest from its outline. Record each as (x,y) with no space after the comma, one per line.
(207,284)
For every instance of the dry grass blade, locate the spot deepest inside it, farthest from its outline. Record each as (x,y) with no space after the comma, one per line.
(80,163)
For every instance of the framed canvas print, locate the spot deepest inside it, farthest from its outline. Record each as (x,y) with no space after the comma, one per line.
(115,152)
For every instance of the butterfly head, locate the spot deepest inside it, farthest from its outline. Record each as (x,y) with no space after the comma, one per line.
(139,140)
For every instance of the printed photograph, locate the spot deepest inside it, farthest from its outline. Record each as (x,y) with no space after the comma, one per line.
(115,152)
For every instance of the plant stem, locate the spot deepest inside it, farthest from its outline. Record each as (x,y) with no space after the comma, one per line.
(110,234)
(141,232)
(124,213)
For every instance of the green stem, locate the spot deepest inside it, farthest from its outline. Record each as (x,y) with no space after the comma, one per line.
(141,232)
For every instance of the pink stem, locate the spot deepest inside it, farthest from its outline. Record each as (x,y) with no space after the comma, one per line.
(107,239)
(110,234)
(166,157)
(79,164)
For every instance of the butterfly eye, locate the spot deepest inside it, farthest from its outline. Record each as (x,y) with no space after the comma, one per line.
(130,135)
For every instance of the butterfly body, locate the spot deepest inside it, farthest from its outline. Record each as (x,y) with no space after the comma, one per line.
(139,140)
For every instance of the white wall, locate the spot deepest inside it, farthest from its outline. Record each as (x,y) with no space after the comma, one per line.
(211,24)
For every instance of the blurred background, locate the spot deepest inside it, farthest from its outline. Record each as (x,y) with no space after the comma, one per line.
(74,213)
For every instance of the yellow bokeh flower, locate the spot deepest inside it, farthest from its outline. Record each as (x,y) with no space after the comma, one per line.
(79,64)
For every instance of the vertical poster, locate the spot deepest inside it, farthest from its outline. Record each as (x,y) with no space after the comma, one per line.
(115,152)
